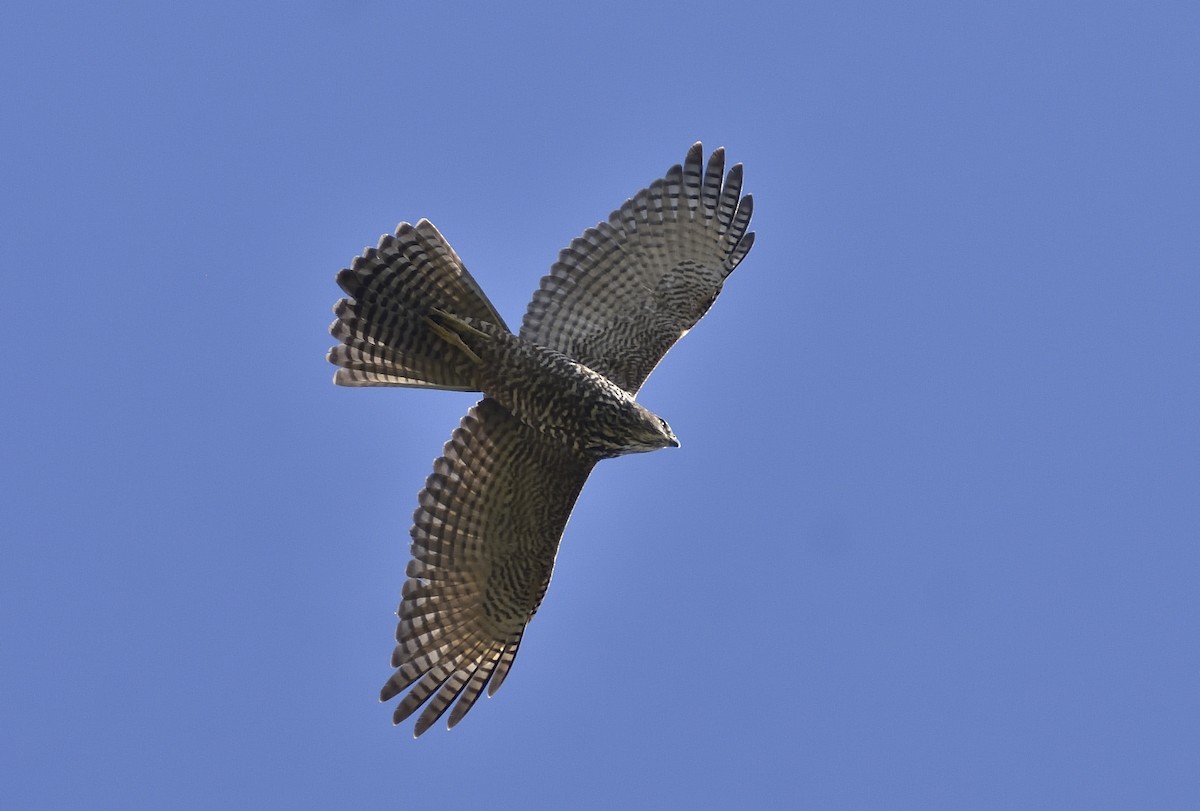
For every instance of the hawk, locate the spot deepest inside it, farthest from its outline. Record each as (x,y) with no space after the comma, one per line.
(558,398)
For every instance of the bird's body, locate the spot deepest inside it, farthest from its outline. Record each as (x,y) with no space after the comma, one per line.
(562,399)
(559,397)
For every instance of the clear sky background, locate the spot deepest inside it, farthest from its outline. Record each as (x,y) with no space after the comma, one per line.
(933,537)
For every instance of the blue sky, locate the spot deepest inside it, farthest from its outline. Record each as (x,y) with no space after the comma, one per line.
(932,537)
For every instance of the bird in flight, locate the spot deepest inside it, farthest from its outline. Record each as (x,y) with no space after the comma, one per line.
(558,396)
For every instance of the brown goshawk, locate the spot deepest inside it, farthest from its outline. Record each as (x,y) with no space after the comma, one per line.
(558,398)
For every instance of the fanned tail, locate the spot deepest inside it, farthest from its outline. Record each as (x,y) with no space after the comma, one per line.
(384,325)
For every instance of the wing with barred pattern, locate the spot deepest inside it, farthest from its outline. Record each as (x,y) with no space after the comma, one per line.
(625,291)
(485,537)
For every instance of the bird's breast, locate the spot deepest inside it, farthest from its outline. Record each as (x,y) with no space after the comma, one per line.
(551,392)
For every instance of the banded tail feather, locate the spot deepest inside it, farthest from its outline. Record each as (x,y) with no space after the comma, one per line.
(383,324)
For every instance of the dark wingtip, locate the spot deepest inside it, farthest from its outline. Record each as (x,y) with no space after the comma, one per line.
(746,207)
(347,279)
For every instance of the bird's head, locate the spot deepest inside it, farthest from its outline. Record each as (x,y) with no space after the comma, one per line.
(642,430)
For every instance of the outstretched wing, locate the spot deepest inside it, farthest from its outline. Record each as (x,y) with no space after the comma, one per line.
(484,540)
(625,291)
